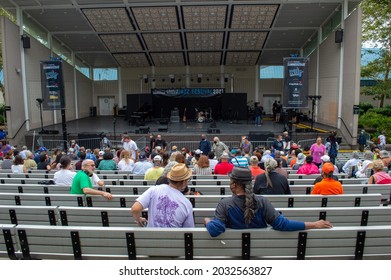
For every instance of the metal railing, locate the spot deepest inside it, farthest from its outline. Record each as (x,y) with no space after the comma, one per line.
(306,143)
(51,144)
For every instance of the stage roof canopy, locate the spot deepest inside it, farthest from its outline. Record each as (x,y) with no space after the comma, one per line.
(165,33)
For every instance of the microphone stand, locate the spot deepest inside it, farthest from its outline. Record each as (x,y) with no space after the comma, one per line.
(40,113)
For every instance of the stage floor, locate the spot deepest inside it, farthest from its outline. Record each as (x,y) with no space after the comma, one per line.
(190,130)
(119,125)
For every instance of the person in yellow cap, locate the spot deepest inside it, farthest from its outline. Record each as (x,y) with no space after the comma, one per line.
(328,185)
(167,206)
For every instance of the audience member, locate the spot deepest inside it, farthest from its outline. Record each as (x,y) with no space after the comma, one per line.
(204,145)
(131,146)
(64,176)
(299,161)
(219,148)
(246,147)
(160,142)
(202,166)
(171,162)
(271,182)
(254,167)
(239,159)
(317,150)
(279,169)
(8,160)
(212,161)
(352,164)
(142,165)
(308,167)
(224,166)
(18,165)
(385,157)
(245,210)
(126,163)
(379,176)
(43,163)
(82,184)
(107,163)
(29,161)
(366,164)
(326,159)
(167,206)
(328,186)
(156,170)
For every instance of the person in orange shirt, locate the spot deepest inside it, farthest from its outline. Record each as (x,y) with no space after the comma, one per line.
(328,185)
(255,169)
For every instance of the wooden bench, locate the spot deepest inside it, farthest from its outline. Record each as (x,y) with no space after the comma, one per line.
(35,199)
(122,217)
(29,215)
(66,242)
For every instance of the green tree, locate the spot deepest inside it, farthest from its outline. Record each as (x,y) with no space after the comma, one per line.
(377,30)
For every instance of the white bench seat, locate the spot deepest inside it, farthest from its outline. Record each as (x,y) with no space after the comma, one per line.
(66,242)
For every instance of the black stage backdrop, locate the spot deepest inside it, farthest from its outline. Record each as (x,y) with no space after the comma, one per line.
(227,106)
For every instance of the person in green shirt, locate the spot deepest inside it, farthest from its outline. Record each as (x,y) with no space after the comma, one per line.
(82,184)
(107,163)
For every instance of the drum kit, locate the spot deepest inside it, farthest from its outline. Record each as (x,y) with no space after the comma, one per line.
(203,115)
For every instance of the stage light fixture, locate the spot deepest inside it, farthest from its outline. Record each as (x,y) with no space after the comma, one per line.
(172,78)
(199,78)
(226,77)
(145,77)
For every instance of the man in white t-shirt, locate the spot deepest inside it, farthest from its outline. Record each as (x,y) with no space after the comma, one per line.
(131,146)
(167,206)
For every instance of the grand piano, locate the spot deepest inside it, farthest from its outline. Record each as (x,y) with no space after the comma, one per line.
(139,116)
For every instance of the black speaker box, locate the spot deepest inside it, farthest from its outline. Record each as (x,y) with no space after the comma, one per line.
(26,42)
(143,129)
(259,136)
(214,131)
(162,129)
(339,36)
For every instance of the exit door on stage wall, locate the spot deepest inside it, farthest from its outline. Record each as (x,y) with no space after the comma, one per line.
(106,104)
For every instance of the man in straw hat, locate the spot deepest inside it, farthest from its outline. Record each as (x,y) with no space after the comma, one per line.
(245,210)
(167,206)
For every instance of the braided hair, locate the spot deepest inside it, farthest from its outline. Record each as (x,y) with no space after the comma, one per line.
(270,165)
(249,210)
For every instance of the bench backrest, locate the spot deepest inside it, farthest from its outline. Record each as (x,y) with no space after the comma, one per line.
(198,201)
(122,217)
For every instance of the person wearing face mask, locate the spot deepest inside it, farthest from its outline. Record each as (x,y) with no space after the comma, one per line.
(219,147)
(204,145)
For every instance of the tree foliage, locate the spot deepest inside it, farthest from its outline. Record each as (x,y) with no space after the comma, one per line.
(377,30)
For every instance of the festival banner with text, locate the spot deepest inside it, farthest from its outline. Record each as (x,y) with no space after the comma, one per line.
(187,92)
(52,85)
(295,82)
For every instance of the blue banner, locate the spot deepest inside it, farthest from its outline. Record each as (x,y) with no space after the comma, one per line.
(187,92)
(52,83)
(295,82)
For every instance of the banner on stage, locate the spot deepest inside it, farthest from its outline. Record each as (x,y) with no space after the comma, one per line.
(295,82)
(52,84)
(187,92)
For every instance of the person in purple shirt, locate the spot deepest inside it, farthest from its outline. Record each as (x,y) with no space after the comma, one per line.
(318,150)
(167,206)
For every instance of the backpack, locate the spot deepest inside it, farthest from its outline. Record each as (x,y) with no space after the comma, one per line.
(333,150)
